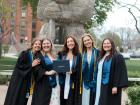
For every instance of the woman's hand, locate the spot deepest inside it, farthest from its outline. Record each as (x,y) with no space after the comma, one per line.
(70,72)
(35,62)
(52,72)
(114,90)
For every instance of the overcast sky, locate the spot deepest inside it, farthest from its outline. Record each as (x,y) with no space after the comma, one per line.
(120,17)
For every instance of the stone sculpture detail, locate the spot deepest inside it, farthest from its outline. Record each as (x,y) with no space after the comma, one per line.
(69,14)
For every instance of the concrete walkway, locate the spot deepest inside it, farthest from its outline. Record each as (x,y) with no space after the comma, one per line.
(3,89)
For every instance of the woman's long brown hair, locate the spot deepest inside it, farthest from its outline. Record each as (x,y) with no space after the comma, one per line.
(112,51)
(75,50)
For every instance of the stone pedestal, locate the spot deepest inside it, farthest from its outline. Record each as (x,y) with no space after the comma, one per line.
(75,29)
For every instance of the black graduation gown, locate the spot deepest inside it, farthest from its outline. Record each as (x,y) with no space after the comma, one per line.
(118,78)
(16,93)
(42,89)
(74,94)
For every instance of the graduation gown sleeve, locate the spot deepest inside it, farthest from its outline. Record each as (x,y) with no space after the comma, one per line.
(119,72)
(17,89)
(23,65)
(39,70)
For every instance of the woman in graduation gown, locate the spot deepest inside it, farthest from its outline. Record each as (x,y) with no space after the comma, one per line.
(47,86)
(22,80)
(111,75)
(89,57)
(70,81)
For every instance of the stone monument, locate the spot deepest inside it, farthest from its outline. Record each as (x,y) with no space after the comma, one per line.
(63,17)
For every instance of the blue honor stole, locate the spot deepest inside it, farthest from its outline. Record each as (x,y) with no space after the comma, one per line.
(106,71)
(88,69)
(52,78)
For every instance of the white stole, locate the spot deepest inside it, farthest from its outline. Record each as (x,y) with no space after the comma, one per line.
(99,79)
(67,83)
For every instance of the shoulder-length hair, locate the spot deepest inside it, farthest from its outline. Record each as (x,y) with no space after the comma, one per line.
(112,51)
(83,48)
(65,49)
(49,41)
(33,41)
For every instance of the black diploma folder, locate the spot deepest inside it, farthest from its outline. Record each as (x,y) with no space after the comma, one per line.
(61,66)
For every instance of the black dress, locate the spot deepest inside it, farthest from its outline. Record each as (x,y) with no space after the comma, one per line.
(74,93)
(18,87)
(44,84)
(117,78)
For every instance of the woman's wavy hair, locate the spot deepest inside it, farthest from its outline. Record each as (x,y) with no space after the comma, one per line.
(65,49)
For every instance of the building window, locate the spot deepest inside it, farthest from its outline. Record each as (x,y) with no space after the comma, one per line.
(13,14)
(23,14)
(33,34)
(23,24)
(21,40)
(34,25)
(22,32)
(12,22)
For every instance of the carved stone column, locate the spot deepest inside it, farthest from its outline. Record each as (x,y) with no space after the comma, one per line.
(51,30)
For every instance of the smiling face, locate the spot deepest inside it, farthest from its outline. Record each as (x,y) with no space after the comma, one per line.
(36,46)
(46,46)
(88,43)
(107,45)
(70,43)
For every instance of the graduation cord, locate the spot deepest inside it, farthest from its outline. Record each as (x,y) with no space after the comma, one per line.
(32,84)
(95,58)
(81,75)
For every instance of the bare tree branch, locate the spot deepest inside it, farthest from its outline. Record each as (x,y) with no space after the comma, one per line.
(122,4)
(136,22)
(130,6)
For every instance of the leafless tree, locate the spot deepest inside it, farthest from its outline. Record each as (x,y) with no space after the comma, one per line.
(130,8)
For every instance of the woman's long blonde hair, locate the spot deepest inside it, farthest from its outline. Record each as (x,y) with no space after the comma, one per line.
(83,48)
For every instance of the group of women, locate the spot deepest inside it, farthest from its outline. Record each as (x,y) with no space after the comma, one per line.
(95,77)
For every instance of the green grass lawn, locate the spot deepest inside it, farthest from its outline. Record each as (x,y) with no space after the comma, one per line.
(7,63)
(133,66)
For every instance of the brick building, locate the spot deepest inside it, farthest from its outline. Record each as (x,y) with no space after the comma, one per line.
(26,27)
(22,22)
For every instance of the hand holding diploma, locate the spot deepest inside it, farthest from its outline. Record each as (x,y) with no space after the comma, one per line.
(52,72)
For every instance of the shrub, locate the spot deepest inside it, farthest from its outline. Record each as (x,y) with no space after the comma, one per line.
(4,79)
(134,95)
(133,83)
